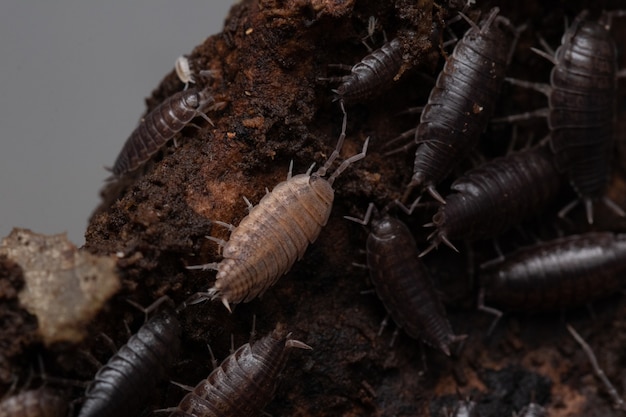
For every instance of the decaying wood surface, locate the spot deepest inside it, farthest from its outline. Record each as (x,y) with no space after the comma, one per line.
(269,58)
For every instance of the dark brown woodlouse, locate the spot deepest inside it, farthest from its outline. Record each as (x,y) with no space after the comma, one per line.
(370,75)
(403,282)
(124,385)
(462,101)
(160,125)
(41,402)
(582,107)
(244,383)
(496,196)
(275,233)
(556,274)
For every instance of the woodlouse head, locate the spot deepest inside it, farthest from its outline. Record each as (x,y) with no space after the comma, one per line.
(323,189)
(386,227)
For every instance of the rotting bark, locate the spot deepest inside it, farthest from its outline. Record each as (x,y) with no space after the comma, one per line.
(269,57)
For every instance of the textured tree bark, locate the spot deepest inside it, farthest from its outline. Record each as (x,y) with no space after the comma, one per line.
(269,58)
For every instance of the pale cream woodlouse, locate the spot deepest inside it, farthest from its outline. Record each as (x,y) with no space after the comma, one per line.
(183,71)
(244,383)
(275,233)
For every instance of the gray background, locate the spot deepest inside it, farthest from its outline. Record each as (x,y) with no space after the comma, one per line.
(73,78)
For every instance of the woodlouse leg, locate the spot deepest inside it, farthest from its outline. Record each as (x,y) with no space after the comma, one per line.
(213,360)
(413,206)
(366,219)
(368,388)
(292,343)
(204,267)
(152,307)
(220,242)
(111,344)
(248,203)
(490,310)
(383,324)
(253,330)
(540,113)
(229,226)
(565,210)
(205,117)
(394,336)
(542,88)
(183,386)
(618,402)
(613,206)
(404,136)
(438,238)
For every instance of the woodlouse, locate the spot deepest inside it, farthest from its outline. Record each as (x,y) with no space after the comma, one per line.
(582,99)
(462,101)
(403,283)
(160,125)
(496,196)
(183,71)
(556,274)
(369,76)
(41,402)
(244,383)
(275,233)
(126,382)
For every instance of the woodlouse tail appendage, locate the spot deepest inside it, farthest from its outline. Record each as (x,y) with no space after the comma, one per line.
(124,385)
(462,102)
(403,282)
(161,125)
(244,383)
(275,233)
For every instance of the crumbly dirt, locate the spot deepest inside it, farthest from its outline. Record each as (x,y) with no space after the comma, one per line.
(269,59)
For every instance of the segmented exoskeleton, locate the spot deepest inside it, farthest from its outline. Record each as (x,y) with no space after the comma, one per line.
(557,274)
(41,402)
(160,125)
(244,383)
(462,101)
(370,75)
(404,284)
(497,195)
(127,381)
(276,232)
(581,113)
